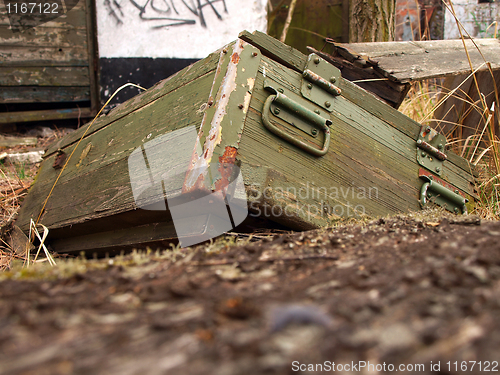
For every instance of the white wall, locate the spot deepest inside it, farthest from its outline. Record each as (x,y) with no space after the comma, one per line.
(174,28)
(475,17)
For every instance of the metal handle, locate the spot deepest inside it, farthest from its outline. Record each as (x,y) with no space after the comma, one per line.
(456,199)
(284,102)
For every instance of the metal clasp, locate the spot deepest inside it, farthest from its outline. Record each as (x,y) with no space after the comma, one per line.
(430,147)
(318,83)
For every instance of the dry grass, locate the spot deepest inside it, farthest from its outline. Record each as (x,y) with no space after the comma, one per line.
(15,180)
(481,148)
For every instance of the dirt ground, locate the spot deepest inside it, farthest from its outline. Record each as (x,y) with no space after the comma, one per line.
(419,295)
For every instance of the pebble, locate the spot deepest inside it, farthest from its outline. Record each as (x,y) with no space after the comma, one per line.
(283,316)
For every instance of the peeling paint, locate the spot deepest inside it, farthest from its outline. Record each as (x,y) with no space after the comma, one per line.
(226,170)
(199,165)
(84,153)
(223,122)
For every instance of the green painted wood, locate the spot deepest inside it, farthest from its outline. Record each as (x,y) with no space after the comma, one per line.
(44,76)
(274,49)
(41,94)
(361,119)
(294,59)
(43,37)
(394,118)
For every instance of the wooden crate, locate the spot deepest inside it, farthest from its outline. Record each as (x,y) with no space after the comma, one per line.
(308,146)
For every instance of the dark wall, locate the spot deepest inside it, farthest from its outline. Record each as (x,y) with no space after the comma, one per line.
(144,72)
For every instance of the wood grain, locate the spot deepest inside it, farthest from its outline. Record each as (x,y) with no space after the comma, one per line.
(44,76)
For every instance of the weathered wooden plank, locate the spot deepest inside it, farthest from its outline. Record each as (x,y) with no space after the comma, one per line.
(33,56)
(429,59)
(162,88)
(6,141)
(44,76)
(43,94)
(365,174)
(139,236)
(348,185)
(44,115)
(274,49)
(43,37)
(394,118)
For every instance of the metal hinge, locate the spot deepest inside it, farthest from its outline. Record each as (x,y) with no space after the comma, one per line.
(318,83)
(430,147)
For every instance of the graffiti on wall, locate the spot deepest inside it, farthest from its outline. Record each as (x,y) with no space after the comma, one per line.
(167,13)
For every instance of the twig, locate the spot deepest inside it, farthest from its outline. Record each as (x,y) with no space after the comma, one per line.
(482,133)
(288,21)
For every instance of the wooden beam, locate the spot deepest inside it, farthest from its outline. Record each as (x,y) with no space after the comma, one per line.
(43,37)
(43,56)
(41,94)
(44,76)
(17,141)
(415,61)
(43,115)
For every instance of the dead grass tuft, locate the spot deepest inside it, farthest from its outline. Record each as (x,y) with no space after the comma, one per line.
(15,180)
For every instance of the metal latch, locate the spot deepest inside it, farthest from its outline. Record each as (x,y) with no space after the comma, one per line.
(430,146)
(441,193)
(318,83)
